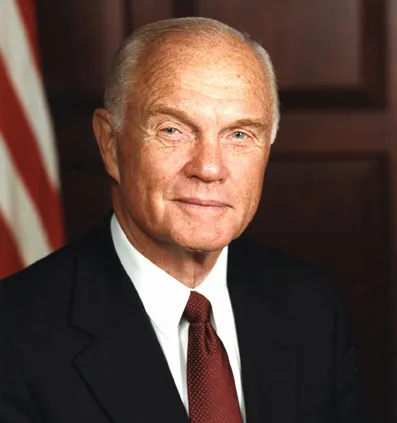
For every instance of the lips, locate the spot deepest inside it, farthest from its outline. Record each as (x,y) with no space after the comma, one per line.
(202,202)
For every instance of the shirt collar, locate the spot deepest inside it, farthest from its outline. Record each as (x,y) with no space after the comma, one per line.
(163,297)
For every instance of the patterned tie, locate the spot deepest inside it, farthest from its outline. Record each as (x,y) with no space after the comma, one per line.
(211,388)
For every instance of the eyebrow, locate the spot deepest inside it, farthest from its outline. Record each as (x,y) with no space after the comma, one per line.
(255,123)
(166,110)
(187,118)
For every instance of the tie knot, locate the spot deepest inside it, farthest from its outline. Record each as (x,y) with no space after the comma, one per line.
(198,308)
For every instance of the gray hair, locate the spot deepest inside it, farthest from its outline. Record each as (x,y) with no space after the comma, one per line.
(118,86)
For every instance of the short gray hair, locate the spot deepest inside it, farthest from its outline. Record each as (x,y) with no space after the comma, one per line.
(127,57)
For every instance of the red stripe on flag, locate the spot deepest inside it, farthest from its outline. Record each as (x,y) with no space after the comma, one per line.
(28,14)
(22,145)
(10,259)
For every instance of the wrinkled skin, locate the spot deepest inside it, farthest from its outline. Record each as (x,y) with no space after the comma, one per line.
(188,165)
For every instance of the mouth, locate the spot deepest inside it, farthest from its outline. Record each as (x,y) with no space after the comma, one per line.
(202,205)
(202,202)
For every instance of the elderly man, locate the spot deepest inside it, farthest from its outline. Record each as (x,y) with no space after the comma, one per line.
(153,318)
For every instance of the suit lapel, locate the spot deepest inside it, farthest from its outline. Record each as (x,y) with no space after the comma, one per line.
(124,367)
(266,338)
(123,364)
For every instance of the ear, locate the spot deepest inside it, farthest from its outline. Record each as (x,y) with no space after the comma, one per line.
(106,139)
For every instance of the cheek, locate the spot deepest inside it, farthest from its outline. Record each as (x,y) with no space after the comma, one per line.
(156,169)
(248,178)
(252,193)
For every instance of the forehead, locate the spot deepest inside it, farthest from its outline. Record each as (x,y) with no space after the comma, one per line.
(221,68)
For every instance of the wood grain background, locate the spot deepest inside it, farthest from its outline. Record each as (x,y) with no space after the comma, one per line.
(330,193)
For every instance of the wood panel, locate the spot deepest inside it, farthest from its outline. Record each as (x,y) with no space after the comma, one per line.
(304,39)
(84,181)
(86,196)
(301,59)
(77,40)
(142,13)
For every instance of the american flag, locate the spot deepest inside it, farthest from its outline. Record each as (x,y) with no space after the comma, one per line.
(30,207)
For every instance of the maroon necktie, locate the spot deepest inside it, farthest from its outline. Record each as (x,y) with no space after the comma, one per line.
(210,382)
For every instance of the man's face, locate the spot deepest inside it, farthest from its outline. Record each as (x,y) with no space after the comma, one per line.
(193,150)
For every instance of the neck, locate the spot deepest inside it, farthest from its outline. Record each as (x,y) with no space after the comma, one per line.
(187,266)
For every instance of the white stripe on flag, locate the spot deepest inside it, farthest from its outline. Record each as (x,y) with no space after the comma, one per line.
(15,48)
(19,211)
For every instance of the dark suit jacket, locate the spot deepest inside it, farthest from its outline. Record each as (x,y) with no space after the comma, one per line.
(77,345)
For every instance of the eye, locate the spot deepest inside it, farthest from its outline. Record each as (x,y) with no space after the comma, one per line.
(170,131)
(238,135)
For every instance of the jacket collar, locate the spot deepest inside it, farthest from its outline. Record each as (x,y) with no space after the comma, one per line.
(123,363)
(267,341)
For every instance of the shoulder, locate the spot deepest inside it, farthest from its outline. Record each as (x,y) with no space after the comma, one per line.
(295,285)
(39,290)
(44,290)
(47,273)
(261,261)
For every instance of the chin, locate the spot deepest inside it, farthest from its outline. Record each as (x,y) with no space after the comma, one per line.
(204,242)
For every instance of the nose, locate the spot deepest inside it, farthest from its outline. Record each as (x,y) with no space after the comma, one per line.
(207,161)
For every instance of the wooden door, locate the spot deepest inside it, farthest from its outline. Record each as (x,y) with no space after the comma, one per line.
(330,193)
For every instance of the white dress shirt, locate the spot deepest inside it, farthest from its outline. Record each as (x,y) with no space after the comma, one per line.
(165,298)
